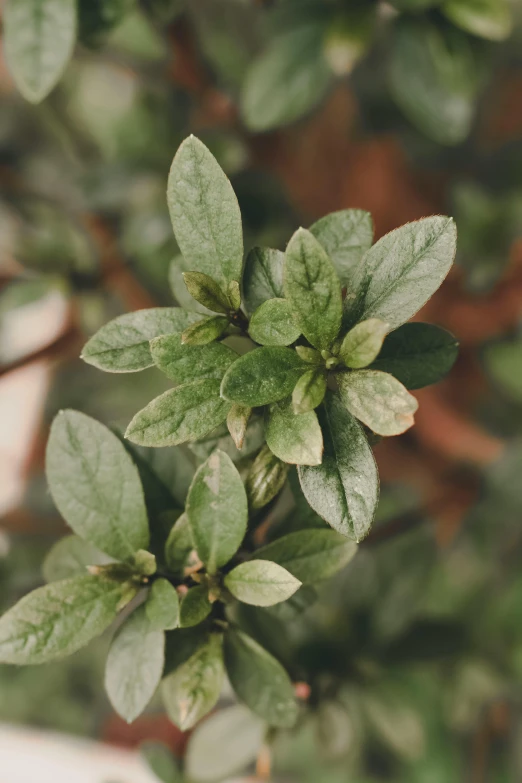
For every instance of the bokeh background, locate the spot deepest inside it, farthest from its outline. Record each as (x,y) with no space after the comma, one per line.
(406,110)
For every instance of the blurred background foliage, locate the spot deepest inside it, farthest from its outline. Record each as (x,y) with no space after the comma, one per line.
(414,653)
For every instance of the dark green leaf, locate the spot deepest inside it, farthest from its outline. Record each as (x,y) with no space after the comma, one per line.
(186,413)
(417,354)
(60,618)
(273,324)
(205,213)
(286,81)
(70,557)
(134,665)
(313,289)
(206,291)
(310,555)
(195,606)
(346,236)
(262,376)
(404,268)
(378,400)
(265,478)
(344,489)
(261,583)
(295,438)
(259,680)
(122,345)
(194,687)
(162,607)
(489,19)
(39,37)
(309,391)
(205,331)
(224,744)
(179,545)
(363,343)
(237,422)
(217,510)
(96,486)
(263,276)
(185,363)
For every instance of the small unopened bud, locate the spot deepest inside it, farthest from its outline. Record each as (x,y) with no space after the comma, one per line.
(265,478)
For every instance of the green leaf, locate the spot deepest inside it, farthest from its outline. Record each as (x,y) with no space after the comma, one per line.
(265,478)
(309,355)
(134,665)
(263,276)
(39,37)
(378,400)
(179,545)
(205,331)
(162,607)
(185,363)
(261,583)
(205,213)
(435,77)
(295,438)
(309,391)
(237,423)
(96,486)
(490,19)
(363,343)
(177,267)
(97,18)
(122,345)
(313,289)
(194,687)
(346,236)
(71,556)
(273,324)
(217,510)
(404,268)
(207,292)
(224,744)
(417,354)
(344,489)
(503,362)
(161,761)
(195,607)
(58,619)
(186,413)
(286,81)
(259,680)
(262,376)
(234,294)
(310,555)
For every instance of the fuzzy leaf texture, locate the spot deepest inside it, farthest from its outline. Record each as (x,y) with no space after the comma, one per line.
(273,324)
(310,555)
(262,277)
(262,376)
(261,583)
(295,438)
(185,363)
(378,400)
(346,236)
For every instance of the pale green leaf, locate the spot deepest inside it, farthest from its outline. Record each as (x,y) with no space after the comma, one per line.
(186,413)
(262,376)
(237,423)
(96,486)
(177,267)
(265,478)
(161,761)
(313,289)
(134,665)
(309,391)
(205,213)
(490,19)
(378,400)
(295,438)
(286,81)
(192,689)
(71,556)
(259,680)
(261,583)
(205,330)
(273,324)
(344,489)
(185,363)
(224,744)
(195,607)
(404,268)
(309,355)
(39,37)
(346,236)
(179,545)
(363,343)
(417,354)
(217,510)
(60,618)
(122,345)
(263,276)
(206,291)
(310,555)
(162,607)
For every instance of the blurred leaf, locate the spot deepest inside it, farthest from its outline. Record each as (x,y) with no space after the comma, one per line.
(310,555)
(161,762)
(345,235)
(96,18)
(71,556)
(489,19)
(503,361)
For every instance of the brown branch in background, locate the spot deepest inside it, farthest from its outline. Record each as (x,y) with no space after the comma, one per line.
(67,343)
